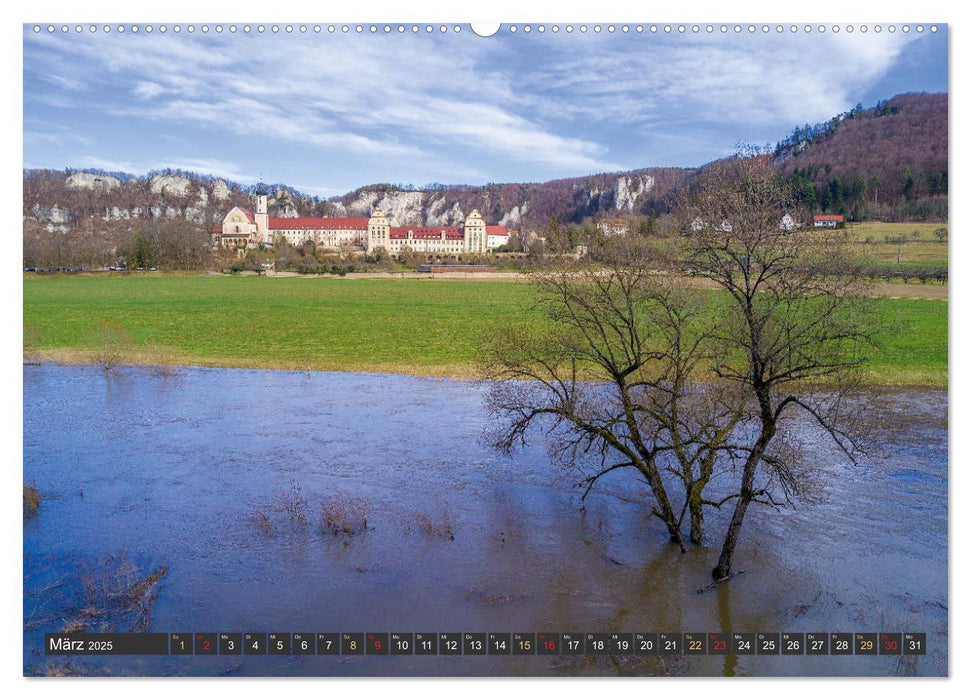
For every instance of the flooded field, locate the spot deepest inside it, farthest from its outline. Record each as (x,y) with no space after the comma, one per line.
(236,481)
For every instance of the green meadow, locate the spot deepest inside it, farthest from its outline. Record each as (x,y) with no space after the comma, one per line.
(410,326)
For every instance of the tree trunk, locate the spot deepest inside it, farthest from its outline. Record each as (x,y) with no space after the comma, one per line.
(724,566)
(697,513)
(664,504)
(746,493)
(672,522)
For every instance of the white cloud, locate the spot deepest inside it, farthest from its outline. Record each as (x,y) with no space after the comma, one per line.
(42,132)
(456,107)
(721,79)
(146,90)
(359,97)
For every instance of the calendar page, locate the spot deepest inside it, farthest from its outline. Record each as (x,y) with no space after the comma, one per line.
(513,349)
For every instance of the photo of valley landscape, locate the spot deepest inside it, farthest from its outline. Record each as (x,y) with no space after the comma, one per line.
(570,350)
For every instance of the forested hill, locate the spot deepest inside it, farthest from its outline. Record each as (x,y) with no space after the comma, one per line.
(888,162)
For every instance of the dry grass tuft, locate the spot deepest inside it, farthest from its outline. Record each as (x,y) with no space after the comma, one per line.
(31,500)
(435,527)
(262,521)
(344,514)
(115,596)
(294,506)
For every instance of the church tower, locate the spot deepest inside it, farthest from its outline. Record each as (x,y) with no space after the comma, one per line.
(262,219)
(475,233)
(378,232)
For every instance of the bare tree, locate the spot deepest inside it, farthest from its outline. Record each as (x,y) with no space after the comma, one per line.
(611,370)
(638,369)
(794,326)
(112,343)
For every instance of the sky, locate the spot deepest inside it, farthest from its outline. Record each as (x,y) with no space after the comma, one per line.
(329,112)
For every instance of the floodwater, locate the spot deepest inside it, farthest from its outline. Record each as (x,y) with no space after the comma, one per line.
(170,468)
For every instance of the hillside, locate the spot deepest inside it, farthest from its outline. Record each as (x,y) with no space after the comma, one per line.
(888,162)
(65,199)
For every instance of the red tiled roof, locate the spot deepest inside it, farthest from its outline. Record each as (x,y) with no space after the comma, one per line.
(314,223)
(828,217)
(249,215)
(426,232)
(497,231)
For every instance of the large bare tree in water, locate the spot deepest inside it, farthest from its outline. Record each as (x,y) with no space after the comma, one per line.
(794,328)
(618,376)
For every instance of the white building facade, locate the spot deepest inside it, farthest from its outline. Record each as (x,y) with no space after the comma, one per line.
(244,228)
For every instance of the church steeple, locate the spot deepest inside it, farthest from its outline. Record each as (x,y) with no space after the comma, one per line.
(262,218)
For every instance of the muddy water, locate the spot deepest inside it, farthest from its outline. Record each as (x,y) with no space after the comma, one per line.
(171,469)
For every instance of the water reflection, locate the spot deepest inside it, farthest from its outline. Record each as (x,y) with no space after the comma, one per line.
(173,469)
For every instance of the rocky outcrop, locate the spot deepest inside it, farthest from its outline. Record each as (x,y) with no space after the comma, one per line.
(51,215)
(220,190)
(440,214)
(401,208)
(513,217)
(627,189)
(91,181)
(171,185)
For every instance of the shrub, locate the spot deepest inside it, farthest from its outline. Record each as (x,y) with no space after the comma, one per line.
(117,596)
(31,500)
(440,527)
(262,521)
(112,343)
(294,506)
(344,514)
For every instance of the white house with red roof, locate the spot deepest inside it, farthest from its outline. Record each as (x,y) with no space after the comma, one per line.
(242,227)
(827,220)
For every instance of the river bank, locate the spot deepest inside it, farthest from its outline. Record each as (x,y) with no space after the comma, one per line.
(420,327)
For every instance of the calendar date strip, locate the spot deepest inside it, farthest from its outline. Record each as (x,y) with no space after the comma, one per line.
(486,643)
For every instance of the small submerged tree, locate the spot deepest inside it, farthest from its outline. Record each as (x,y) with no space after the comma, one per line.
(619,375)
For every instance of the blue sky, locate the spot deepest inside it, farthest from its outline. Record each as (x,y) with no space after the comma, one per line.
(327,113)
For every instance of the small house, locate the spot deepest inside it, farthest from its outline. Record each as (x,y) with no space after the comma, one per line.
(827,220)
